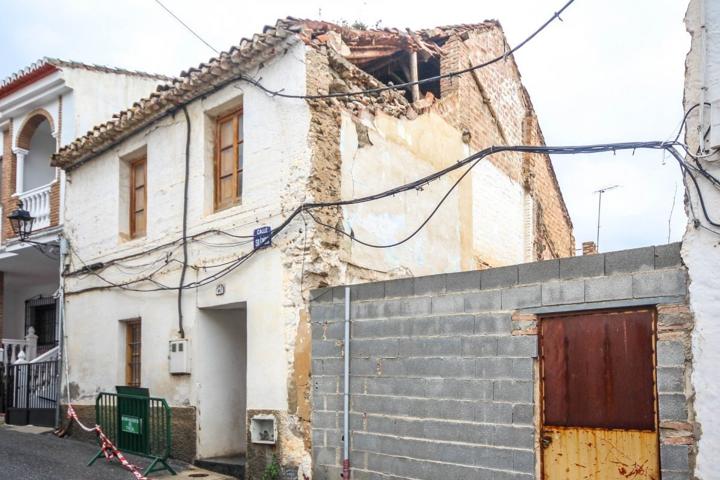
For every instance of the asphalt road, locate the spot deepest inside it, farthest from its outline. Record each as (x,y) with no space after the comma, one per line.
(30,456)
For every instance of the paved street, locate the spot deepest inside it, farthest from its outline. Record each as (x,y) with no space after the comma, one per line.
(32,456)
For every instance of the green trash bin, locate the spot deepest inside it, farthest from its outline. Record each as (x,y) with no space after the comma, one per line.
(138,424)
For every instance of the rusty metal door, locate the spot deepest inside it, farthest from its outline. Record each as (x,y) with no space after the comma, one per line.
(599,406)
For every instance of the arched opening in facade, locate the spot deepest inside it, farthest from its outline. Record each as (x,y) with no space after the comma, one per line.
(36,138)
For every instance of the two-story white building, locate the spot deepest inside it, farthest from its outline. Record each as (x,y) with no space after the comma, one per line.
(42,108)
(164,286)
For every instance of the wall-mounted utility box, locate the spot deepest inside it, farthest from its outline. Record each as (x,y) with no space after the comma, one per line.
(263,429)
(180,357)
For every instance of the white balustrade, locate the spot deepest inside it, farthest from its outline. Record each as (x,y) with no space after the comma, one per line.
(37,202)
(11,350)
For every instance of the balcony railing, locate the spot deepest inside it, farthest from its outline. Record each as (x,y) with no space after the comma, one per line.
(37,202)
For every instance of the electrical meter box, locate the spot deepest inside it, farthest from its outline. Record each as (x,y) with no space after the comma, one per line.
(180,357)
(263,429)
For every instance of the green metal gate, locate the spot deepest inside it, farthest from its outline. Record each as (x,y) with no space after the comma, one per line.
(136,423)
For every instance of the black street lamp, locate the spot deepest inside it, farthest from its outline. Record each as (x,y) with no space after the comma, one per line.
(21,222)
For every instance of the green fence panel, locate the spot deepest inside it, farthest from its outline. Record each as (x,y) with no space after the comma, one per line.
(138,424)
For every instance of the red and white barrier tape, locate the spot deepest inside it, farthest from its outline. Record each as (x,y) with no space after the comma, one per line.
(108,449)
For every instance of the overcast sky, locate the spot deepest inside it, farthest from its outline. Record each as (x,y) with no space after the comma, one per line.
(611,71)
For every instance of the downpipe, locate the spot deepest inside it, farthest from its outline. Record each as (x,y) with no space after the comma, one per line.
(346,391)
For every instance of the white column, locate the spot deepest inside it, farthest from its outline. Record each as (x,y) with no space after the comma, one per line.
(20,154)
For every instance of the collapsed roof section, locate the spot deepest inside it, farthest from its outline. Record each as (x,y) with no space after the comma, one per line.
(391,55)
(363,58)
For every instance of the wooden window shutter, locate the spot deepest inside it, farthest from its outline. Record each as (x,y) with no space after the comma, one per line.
(229,160)
(138,197)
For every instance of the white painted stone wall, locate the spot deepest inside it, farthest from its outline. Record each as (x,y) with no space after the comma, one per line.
(700,245)
(498,216)
(275,133)
(96,96)
(484,217)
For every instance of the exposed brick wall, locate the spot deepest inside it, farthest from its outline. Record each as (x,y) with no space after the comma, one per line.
(492,104)
(8,182)
(453,358)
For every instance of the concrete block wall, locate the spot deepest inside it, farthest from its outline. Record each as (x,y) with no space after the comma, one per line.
(443,368)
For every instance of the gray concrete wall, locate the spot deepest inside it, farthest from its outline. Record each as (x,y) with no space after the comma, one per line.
(443,368)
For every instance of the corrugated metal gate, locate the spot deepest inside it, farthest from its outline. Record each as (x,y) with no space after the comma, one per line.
(599,402)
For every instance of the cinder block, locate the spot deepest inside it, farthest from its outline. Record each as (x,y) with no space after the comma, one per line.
(504,475)
(382,424)
(321,295)
(493,323)
(660,283)
(670,353)
(460,389)
(318,438)
(323,385)
(379,348)
(523,368)
(580,267)
(524,461)
(326,348)
(431,347)
(324,419)
(633,260)
(365,366)
(513,436)
(522,414)
(479,346)
(675,457)
(520,346)
(363,310)
(367,291)
(499,458)
(514,391)
(463,281)
(671,379)
(668,256)
(396,386)
(445,325)
(448,304)
(484,301)
(403,287)
(492,368)
(673,406)
(324,312)
(430,367)
(521,297)
(499,277)
(381,328)
(430,285)
(491,412)
(538,272)
(563,293)
(615,287)
(407,307)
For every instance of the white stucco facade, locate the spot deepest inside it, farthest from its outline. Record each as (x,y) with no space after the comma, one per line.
(700,251)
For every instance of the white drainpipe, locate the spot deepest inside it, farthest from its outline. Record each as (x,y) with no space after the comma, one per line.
(346,391)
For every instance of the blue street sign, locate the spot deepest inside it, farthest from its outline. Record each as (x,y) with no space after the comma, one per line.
(261,237)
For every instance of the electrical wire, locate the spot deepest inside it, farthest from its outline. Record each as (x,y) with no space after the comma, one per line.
(435,78)
(187,27)
(470,161)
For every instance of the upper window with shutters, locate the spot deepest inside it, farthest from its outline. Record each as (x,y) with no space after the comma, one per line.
(228,159)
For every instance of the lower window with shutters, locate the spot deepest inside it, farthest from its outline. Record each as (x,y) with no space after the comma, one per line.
(133,352)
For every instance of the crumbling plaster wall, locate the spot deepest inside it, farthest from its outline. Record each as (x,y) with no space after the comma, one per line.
(494,107)
(700,245)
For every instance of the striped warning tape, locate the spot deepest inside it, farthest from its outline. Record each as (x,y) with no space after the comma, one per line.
(109,450)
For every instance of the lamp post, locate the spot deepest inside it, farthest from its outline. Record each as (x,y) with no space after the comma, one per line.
(21,222)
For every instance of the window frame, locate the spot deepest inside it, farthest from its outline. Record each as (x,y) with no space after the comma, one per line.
(238,169)
(134,231)
(132,380)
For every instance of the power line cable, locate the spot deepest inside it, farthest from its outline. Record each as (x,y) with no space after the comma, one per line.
(472,160)
(187,27)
